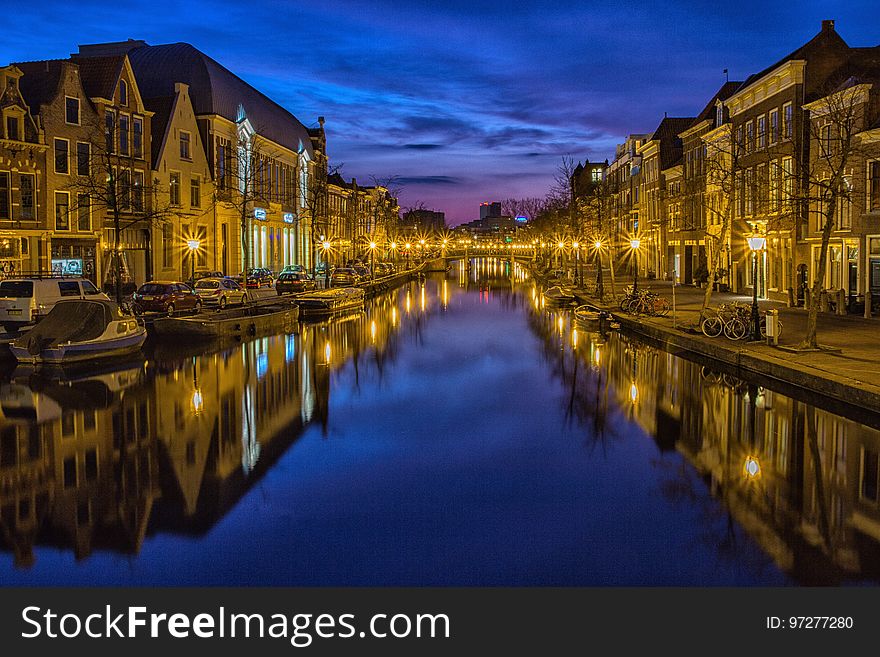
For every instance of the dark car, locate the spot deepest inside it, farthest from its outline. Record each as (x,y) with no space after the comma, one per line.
(344,276)
(290,282)
(165,297)
(257,278)
(293,269)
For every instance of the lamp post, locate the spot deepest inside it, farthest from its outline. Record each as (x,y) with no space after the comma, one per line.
(634,244)
(599,287)
(326,246)
(372,251)
(756,243)
(577,261)
(407,246)
(393,247)
(193,246)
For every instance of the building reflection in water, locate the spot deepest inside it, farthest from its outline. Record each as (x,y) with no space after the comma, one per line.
(801,480)
(170,444)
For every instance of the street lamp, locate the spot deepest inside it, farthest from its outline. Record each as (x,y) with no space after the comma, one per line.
(407,246)
(393,247)
(577,261)
(372,251)
(756,243)
(326,246)
(600,289)
(634,244)
(193,246)
(560,254)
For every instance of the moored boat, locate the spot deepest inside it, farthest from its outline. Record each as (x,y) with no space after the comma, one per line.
(335,299)
(586,315)
(248,321)
(79,329)
(557,294)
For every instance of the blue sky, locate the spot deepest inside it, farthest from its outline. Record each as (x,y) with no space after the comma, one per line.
(463,101)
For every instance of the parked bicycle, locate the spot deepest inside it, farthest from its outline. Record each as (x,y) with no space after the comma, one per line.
(734,320)
(643,302)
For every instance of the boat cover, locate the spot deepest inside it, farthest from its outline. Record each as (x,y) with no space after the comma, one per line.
(76,320)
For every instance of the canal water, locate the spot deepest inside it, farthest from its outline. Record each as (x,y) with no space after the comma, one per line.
(460,431)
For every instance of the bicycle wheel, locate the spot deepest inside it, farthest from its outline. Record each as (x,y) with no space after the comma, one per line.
(624,304)
(735,329)
(762,326)
(712,326)
(662,307)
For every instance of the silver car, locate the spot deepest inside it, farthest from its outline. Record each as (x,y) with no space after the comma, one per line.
(219,292)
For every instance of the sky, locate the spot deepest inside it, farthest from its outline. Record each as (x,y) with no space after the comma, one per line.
(462,101)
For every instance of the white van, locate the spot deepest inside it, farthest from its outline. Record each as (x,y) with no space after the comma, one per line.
(27,300)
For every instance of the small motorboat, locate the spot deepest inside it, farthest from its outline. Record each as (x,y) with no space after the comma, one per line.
(330,300)
(587,315)
(557,294)
(79,329)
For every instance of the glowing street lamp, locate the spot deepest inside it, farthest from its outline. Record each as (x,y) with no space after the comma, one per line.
(325,245)
(407,246)
(600,288)
(193,246)
(634,244)
(372,251)
(756,243)
(577,262)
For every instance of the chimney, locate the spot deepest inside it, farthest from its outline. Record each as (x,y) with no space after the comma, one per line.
(828,26)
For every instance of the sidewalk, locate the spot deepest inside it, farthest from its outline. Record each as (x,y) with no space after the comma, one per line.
(849,372)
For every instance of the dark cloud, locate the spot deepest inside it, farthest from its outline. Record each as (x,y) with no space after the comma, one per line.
(430,180)
(423,147)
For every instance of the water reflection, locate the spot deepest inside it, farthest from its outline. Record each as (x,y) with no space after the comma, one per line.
(433,436)
(800,480)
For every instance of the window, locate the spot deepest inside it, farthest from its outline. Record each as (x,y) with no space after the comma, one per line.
(174,188)
(110,131)
(750,136)
(5,201)
(138,137)
(83,212)
(83,158)
(719,114)
(123,93)
(71,110)
(124,189)
(221,165)
(787,129)
(184,145)
(61,155)
(12,128)
(762,131)
(874,186)
(123,134)
(787,180)
(167,239)
(739,146)
(89,289)
(62,206)
(26,187)
(195,193)
(774,126)
(69,476)
(137,192)
(68,289)
(844,203)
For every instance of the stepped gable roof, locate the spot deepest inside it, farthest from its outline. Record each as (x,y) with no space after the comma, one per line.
(161,108)
(99,75)
(213,89)
(40,81)
(670,143)
(826,41)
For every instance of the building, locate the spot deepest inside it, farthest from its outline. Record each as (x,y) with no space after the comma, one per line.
(490,209)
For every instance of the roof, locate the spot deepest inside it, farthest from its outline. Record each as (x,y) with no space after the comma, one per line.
(161,108)
(670,143)
(213,89)
(99,75)
(726,91)
(40,81)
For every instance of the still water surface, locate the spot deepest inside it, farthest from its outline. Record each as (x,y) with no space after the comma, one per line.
(457,432)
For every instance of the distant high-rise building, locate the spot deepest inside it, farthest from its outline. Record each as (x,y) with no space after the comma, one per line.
(488,209)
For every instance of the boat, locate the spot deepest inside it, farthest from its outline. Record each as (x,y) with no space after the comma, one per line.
(77,330)
(557,294)
(331,300)
(588,316)
(246,321)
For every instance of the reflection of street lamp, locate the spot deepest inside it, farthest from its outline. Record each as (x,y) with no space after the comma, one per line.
(634,244)
(372,251)
(193,246)
(756,243)
(752,467)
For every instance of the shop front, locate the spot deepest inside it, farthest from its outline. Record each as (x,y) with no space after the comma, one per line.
(75,257)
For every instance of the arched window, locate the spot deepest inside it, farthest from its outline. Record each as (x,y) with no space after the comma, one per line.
(123,93)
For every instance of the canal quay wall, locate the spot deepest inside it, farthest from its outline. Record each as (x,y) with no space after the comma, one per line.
(846,371)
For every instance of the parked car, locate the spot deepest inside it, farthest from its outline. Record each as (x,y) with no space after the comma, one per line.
(165,297)
(344,276)
(220,291)
(289,282)
(27,300)
(256,278)
(383,269)
(199,275)
(293,269)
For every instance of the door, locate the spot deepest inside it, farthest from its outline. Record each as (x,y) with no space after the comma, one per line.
(688,265)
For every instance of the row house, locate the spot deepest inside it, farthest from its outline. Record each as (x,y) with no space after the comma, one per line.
(659,152)
(23,201)
(359,216)
(623,183)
